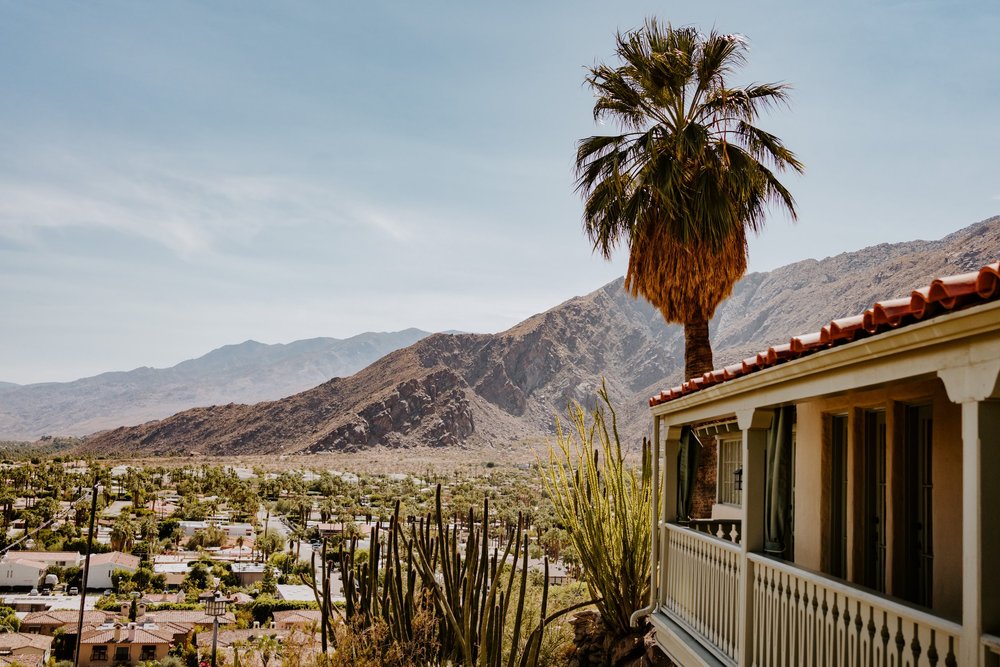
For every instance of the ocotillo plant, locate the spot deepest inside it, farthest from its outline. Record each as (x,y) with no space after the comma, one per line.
(604,505)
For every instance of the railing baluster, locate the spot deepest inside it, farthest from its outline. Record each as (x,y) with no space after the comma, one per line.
(799,618)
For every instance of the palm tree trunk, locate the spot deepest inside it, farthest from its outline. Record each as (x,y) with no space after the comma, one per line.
(697,348)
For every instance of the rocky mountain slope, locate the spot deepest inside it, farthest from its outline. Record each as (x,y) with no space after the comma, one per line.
(493,390)
(245,373)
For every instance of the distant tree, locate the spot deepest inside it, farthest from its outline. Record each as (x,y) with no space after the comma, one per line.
(121,581)
(73,576)
(269,543)
(123,533)
(166,528)
(198,578)
(268,585)
(212,536)
(148,528)
(9,622)
(267,648)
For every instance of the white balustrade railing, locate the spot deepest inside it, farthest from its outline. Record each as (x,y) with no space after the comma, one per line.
(724,529)
(991,647)
(702,586)
(802,618)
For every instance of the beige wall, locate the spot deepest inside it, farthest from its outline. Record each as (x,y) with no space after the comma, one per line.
(947,480)
(812,485)
(135,651)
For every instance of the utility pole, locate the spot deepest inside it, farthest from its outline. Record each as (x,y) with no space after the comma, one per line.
(86,570)
(325,609)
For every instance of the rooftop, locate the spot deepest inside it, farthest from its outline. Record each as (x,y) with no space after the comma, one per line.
(942,296)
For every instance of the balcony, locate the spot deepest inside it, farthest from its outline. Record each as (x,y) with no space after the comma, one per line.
(718,605)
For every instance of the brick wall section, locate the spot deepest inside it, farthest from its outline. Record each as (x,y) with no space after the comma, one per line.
(704,490)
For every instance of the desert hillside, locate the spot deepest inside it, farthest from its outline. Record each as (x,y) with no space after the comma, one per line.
(494,390)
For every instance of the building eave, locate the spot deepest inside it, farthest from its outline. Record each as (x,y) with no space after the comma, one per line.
(960,338)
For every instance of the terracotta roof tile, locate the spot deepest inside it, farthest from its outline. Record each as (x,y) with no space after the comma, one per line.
(943,295)
(988,281)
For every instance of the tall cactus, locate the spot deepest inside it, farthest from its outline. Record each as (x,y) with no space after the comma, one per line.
(604,505)
(475,593)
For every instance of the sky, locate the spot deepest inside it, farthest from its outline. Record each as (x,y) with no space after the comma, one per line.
(177,176)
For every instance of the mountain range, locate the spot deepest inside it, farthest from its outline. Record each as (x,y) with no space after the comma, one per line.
(494,390)
(247,373)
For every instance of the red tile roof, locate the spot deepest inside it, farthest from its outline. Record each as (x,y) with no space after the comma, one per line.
(943,295)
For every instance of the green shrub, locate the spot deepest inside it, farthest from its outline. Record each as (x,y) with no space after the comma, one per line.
(264,606)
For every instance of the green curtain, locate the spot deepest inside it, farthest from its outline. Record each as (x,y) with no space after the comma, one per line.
(687,472)
(778,482)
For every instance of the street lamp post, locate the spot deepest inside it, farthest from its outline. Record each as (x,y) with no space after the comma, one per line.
(215,607)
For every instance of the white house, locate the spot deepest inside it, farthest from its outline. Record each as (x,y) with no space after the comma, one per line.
(102,565)
(238,529)
(20,573)
(23,569)
(192,527)
(861,463)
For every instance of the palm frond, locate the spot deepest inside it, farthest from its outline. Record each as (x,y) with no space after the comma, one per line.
(691,175)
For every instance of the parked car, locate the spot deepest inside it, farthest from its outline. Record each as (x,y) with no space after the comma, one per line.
(73,590)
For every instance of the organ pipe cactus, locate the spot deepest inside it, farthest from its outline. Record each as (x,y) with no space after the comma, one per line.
(476,592)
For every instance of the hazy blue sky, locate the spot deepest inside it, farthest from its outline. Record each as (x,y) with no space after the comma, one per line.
(176,176)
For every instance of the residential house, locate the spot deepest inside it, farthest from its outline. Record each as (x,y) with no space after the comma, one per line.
(248,574)
(191,618)
(60,558)
(302,619)
(237,529)
(861,464)
(47,622)
(25,649)
(231,529)
(192,527)
(23,569)
(102,565)
(304,644)
(173,573)
(296,592)
(121,644)
(17,573)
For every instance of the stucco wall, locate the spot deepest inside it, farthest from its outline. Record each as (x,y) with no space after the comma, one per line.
(812,482)
(947,480)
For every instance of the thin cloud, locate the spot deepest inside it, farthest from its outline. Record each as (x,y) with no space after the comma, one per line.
(189,213)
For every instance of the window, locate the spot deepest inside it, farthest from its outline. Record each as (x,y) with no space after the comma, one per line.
(148,653)
(874,523)
(121,654)
(730,462)
(99,654)
(918,558)
(838,496)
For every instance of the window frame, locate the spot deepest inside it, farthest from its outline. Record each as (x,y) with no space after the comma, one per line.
(726,492)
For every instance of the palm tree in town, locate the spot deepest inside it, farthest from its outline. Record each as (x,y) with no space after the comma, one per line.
(688,178)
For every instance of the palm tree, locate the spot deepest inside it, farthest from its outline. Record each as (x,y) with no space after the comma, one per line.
(688,178)
(123,533)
